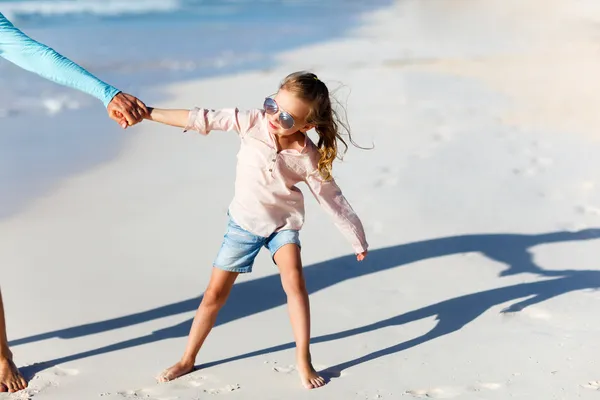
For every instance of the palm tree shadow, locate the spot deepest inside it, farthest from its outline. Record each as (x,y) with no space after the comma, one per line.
(251,297)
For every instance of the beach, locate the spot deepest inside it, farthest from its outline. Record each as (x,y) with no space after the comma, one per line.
(480,200)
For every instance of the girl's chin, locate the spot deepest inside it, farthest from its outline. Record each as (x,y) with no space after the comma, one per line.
(283,133)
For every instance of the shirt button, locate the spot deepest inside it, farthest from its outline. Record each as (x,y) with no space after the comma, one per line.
(270,170)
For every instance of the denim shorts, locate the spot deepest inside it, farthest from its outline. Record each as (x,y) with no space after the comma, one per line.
(240,247)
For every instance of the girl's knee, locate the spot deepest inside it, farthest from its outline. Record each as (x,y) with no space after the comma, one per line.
(218,288)
(214,298)
(294,284)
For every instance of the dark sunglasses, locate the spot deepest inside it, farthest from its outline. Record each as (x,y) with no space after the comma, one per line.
(285,118)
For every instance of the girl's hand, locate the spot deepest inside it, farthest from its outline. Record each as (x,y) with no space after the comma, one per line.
(361,256)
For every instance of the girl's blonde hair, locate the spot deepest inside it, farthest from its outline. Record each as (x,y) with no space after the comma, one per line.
(309,88)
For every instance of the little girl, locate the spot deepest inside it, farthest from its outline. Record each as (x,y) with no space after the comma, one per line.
(267,208)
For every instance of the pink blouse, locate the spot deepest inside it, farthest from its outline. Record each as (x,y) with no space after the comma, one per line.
(266,197)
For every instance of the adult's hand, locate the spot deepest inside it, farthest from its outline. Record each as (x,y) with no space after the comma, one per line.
(126,110)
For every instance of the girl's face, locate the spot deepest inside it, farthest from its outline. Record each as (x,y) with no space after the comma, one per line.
(286,114)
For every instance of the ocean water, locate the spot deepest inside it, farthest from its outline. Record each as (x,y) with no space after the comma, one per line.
(48,132)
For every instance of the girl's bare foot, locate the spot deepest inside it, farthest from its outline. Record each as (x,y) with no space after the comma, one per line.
(10,377)
(309,377)
(177,370)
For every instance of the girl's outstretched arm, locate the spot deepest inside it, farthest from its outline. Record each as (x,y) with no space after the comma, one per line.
(204,120)
(330,197)
(171,117)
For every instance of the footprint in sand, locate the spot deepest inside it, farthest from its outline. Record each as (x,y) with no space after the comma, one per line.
(451,392)
(593,385)
(484,386)
(285,369)
(536,163)
(434,393)
(58,371)
(371,395)
(182,388)
(41,382)
(225,389)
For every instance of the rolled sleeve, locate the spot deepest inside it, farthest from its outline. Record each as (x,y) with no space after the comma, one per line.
(205,120)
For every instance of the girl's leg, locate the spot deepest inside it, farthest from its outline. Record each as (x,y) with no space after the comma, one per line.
(214,298)
(290,266)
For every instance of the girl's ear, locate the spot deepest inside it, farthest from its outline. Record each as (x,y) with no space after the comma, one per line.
(307,128)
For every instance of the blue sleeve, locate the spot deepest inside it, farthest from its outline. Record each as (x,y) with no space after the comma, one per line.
(40,59)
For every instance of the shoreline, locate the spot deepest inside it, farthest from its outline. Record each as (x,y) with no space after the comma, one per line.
(51,133)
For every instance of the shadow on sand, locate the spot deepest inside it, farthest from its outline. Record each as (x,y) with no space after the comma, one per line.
(252,297)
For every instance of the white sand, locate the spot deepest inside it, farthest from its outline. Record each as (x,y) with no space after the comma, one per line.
(480,196)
